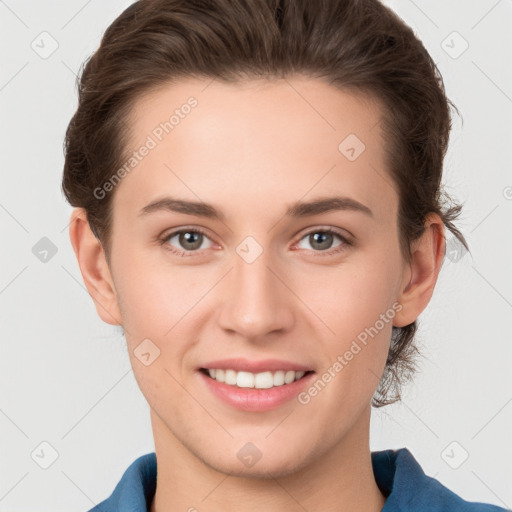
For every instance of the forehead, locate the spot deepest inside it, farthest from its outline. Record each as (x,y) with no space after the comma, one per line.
(244,141)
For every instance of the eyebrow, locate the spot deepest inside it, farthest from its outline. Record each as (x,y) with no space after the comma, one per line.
(298,209)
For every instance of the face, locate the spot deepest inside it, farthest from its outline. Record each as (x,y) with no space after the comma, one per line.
(289,257)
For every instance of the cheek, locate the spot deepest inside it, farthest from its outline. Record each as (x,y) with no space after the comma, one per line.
(154,303)
(152,297)
(354,356)
(357,305)
(352,296)
(161,303)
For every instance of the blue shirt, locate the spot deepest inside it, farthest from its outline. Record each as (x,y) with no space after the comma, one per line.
(397,473)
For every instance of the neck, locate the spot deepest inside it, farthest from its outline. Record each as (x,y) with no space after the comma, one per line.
(339,480)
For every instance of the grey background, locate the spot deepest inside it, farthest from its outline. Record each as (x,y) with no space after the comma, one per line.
(65,377)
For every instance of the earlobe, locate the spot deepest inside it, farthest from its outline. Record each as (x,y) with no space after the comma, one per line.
(421,275)
(94,267)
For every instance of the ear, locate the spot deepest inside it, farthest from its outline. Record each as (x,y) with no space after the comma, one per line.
(94,268)
(421,273)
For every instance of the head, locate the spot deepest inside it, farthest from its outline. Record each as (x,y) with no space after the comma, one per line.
(248,108)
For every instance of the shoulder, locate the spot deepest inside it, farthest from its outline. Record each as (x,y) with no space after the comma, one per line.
(407,487)
(136,488)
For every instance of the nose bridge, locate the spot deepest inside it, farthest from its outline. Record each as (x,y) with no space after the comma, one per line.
(257,302)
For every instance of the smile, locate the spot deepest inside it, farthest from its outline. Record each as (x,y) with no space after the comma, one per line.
(261,380)
(255,392)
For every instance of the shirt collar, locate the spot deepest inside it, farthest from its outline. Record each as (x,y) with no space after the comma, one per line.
(397,474)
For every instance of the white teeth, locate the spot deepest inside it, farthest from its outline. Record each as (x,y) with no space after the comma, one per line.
(230,377)
(263,380)
(244,379)
(279,378)
(289,377)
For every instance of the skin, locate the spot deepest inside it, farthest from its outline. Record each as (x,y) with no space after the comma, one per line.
(252,149)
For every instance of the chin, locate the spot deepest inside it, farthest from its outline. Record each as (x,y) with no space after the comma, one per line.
(262,469)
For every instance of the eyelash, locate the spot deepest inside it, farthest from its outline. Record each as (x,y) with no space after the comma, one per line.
(329,252)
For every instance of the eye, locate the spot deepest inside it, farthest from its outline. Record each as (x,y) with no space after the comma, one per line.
(321,240)
(188,241)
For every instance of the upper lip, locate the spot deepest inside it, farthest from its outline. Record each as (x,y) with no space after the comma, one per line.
(245,365)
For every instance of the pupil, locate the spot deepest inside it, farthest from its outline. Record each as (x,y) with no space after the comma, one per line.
(323,237)
(187,238)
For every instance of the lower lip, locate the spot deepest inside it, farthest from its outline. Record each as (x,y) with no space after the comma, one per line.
(253,399)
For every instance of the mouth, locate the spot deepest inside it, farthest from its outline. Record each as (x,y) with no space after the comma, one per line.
(261,380)
(255,392)
(254,385)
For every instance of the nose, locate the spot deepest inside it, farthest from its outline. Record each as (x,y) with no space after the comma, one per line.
(256,300)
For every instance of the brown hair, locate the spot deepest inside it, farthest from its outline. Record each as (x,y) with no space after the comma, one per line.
(357,45)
